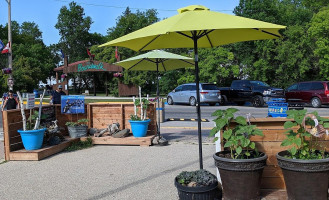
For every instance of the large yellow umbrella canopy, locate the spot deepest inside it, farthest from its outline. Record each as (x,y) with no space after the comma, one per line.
(196,26)
(212,29)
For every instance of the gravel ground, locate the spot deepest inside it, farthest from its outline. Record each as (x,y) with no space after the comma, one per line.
(104,172)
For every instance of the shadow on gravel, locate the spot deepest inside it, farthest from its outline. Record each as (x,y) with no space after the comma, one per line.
(148,178)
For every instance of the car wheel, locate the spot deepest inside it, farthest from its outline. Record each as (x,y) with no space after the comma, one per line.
(192,101)
(170,101)
(258,101)
(223,100)
(316,102)
(212,104)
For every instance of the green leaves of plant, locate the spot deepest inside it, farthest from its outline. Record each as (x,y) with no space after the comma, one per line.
(227,134)
(289,124)
(241,120)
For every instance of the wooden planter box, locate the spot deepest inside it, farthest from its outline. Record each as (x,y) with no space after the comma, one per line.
(270,143)
(100,115)
(14,150)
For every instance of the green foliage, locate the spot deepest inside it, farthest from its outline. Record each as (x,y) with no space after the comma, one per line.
(80,145)
(30,123)
(301,142)
(236,139)
(200,178)
(137,103)
(80,122)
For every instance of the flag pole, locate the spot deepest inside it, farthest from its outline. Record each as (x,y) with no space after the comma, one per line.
(10,80)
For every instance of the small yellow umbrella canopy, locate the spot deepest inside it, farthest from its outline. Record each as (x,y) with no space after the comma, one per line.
(156,60)
(196,26)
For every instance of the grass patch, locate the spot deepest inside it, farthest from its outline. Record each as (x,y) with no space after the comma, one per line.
(3,162)
(80,145)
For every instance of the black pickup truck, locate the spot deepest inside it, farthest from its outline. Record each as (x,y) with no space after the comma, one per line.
(256,92)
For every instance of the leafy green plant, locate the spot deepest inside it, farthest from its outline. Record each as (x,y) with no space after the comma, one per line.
(303,144)
(236,139)
(32,119)
(80,122)
(197,178)
(80,145)
(143,103)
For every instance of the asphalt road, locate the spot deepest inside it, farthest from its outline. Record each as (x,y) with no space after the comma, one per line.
(186,111)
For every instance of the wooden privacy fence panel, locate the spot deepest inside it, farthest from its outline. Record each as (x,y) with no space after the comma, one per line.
(100,115)
(270,143)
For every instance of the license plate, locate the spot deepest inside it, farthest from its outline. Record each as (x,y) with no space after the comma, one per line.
(213,94)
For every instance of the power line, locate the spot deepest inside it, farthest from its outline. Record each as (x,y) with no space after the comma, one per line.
(124,7)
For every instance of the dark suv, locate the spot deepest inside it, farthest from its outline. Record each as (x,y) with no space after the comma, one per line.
(314,92)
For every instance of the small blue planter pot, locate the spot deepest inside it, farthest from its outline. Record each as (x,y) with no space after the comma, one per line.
(139,128)
(32,139)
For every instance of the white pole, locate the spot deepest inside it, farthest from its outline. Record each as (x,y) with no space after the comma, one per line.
(21,101)
(218,148)
(134,105)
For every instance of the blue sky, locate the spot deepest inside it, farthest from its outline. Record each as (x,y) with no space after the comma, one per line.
(103,12)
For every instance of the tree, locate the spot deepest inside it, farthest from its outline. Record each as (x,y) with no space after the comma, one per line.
(318,30)
(127,23)
(32,60)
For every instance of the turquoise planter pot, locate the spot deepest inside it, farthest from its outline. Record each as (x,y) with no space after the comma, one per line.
(139,128)
(32,139)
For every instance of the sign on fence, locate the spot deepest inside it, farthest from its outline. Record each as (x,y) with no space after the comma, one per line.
(30,101)
(72,104)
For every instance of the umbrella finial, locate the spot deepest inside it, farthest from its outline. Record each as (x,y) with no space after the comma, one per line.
(192,8)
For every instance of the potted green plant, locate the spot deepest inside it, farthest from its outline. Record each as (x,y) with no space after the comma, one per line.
(240,164)
(139,123)
(32,134)
(200,184)
(77,129)
(305,165)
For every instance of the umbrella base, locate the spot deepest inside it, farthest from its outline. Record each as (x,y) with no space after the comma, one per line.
(159,140)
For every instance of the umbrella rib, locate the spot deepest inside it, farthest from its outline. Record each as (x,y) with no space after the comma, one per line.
(267,32)
(164,68)
(186,61)
(136,63)
(149,42)
(150,60)
(209,41)
(184,34)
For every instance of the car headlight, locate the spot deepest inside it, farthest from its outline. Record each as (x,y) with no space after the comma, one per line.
(267,92)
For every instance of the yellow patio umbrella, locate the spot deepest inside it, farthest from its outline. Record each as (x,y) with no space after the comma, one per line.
(156,60)
(196,26)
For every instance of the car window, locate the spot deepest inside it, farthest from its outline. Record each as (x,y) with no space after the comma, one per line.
(209,87)
(292,87)
(304,86)
(186,88)
(193,87)
(258,83)
(317,86)
(179,88)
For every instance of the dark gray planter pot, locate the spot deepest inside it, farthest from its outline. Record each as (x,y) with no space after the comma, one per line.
(305,179)
(241,178)
(77,131)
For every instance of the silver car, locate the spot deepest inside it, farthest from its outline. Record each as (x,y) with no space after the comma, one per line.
(186,93)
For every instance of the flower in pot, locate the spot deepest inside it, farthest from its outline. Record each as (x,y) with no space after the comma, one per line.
(77,129)
(200,184)
(139,123)
(240,164)
(32,134)
(305,165)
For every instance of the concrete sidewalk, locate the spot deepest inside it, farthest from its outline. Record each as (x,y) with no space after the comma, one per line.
(104,172)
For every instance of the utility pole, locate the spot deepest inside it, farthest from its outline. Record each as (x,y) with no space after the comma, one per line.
(10,80)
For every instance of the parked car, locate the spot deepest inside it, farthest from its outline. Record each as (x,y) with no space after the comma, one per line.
(315,93)
(186,93)
(256,92)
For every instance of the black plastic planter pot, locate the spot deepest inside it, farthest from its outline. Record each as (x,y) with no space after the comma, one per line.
(211,192)
(305,179)
(241,178)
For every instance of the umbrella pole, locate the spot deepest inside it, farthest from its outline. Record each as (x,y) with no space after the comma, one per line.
(158,101)
(196,59)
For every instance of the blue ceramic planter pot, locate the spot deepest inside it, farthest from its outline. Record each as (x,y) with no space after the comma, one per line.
(32,139)
(139,128)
